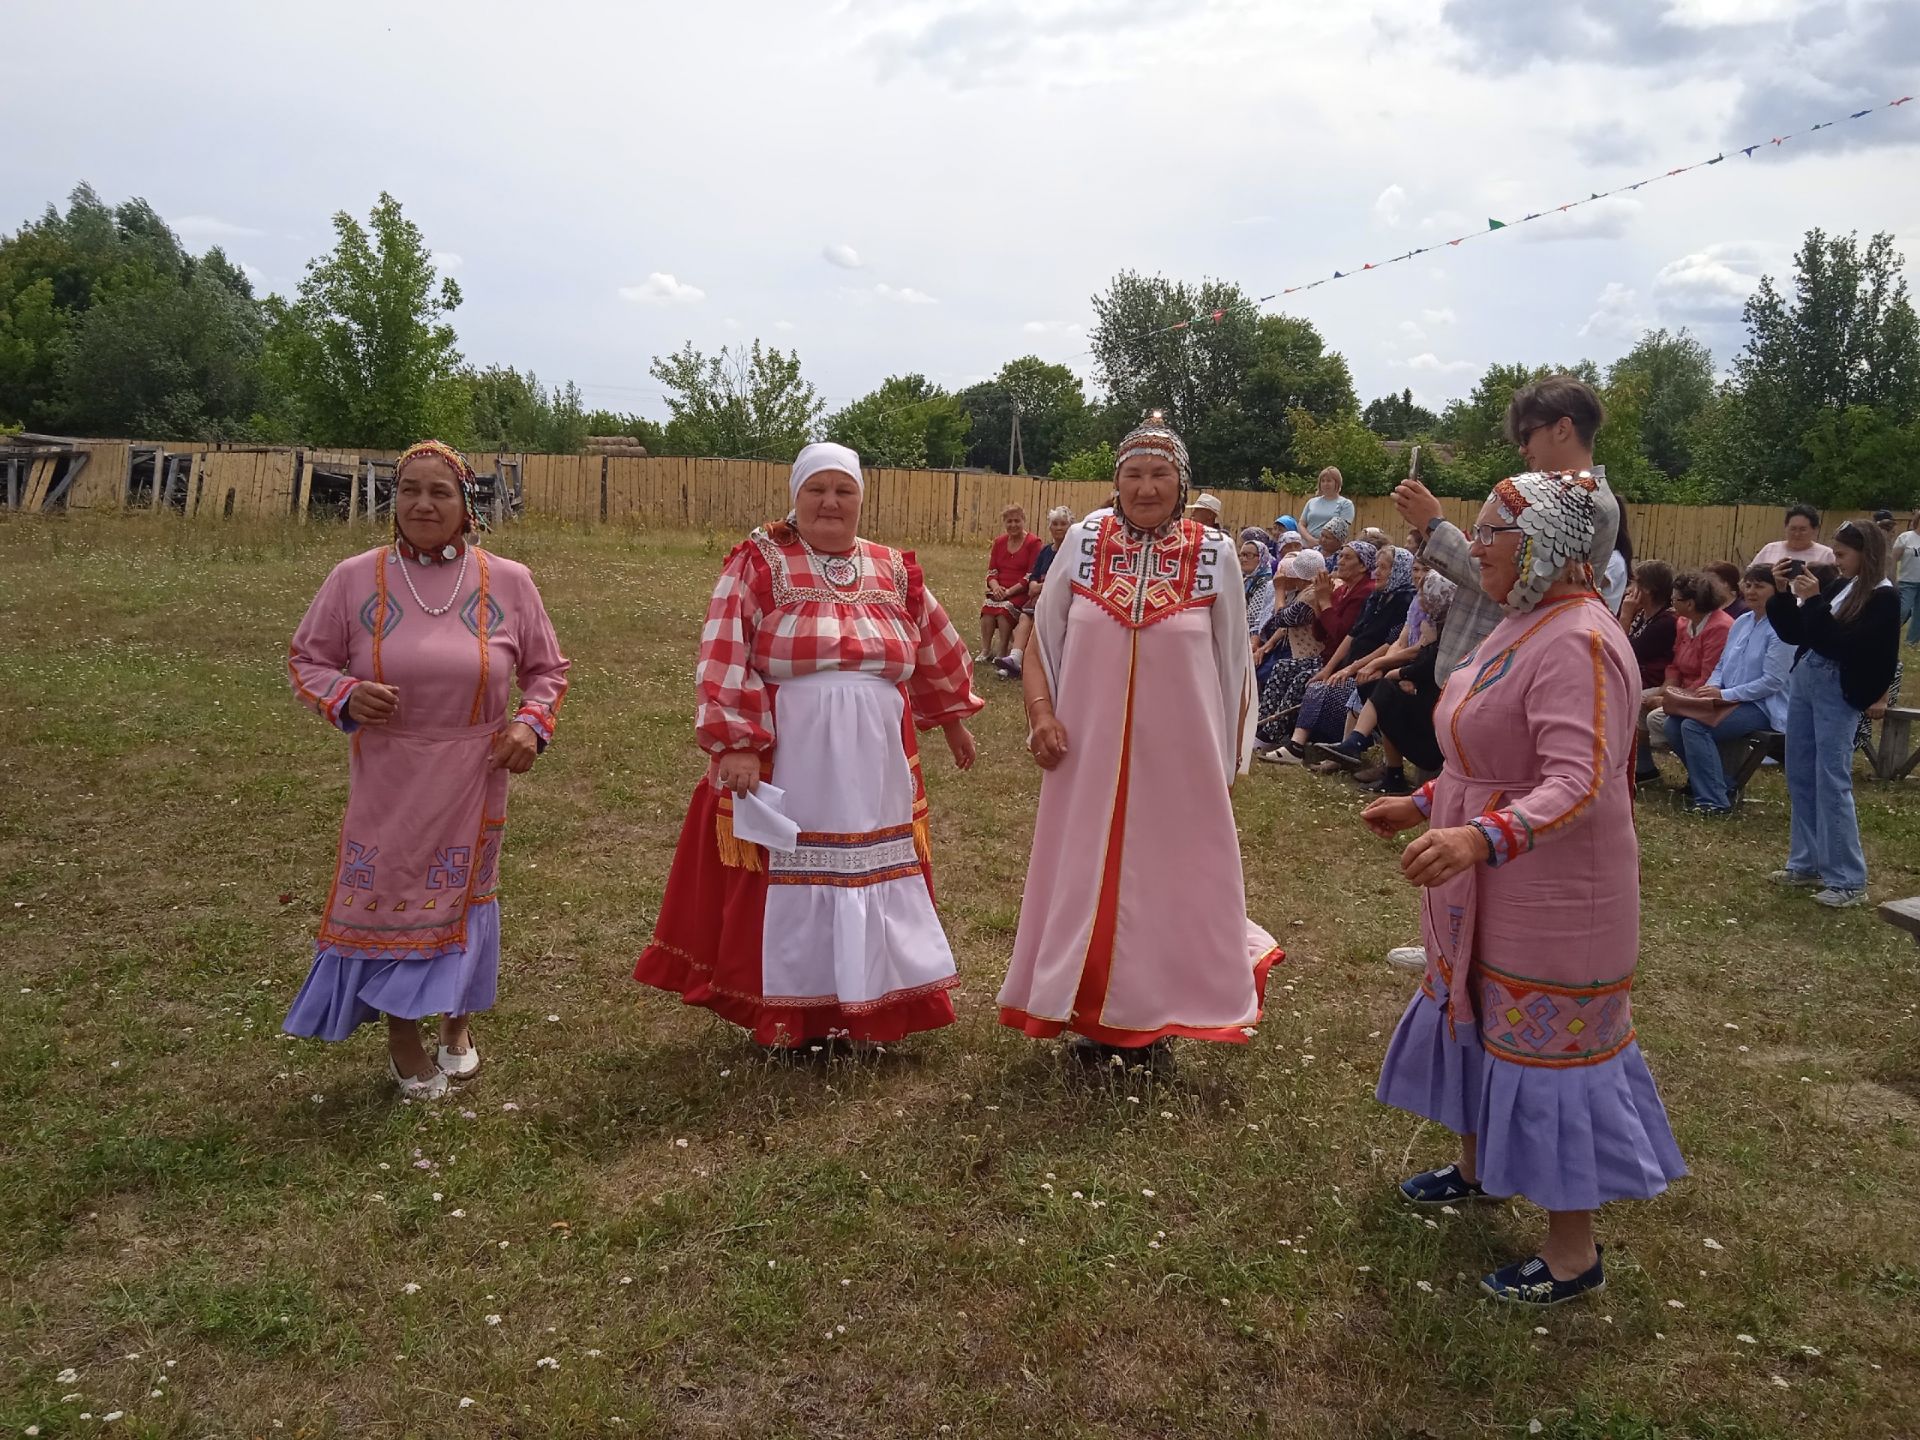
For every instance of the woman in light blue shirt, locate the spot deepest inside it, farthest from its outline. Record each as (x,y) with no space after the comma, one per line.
(1329,504)
(1752,677)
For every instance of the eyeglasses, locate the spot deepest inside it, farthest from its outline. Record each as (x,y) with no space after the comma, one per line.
(1483,534)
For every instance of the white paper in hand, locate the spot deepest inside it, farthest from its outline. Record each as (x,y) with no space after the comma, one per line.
(759,819)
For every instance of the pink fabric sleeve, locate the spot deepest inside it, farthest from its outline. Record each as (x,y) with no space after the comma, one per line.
(317,658)
(1570,702)
(941,688)
(735,710)
(542,668)
(1713,641)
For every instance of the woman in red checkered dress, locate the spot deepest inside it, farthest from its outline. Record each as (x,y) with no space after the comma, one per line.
(821,654)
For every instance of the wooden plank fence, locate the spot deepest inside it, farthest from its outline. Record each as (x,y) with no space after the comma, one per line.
(675,492)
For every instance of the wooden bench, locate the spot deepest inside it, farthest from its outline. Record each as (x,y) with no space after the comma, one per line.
(1895,756)
(1903,915)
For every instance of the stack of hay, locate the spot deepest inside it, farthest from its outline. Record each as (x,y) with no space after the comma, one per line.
(616,445)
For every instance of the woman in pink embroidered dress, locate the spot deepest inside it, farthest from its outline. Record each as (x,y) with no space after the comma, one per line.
(1141,714)
(1520,1038)
(821,653)
(411,649)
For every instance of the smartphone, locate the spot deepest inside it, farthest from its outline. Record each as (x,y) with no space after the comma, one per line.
(1413,463)
(1796,568)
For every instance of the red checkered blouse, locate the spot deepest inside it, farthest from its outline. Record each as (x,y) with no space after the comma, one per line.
(774,616)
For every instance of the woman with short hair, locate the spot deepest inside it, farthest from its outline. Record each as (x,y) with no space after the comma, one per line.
(1058,519)
(1010,561)
(1521,1039)
(411,648)
(1847,648)
(822,653)
(1746,691)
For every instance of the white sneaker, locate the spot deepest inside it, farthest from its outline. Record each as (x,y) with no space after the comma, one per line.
(414,1088)
(1834,898)
(1408,957)
(459,1065)
(1795,880)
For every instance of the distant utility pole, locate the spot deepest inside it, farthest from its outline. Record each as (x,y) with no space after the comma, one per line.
(1014,447)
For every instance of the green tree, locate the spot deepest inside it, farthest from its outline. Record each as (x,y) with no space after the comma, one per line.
(365,355)
(1846,337)
(1054,416)
(1345,442)
(1861,457)
(1396,417)
(1292,372)
(908,421)
(511,411)
(1670,374)
(745,403)
(1096,463)
(1187,373)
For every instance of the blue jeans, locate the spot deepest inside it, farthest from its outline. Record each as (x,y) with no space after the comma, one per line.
(1910,609)
(1820,730)
(1700,745)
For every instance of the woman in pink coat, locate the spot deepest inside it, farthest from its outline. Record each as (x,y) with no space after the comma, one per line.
(1521,1037)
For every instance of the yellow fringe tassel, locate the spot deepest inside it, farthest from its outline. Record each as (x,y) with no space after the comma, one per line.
(734,852)
(922,840)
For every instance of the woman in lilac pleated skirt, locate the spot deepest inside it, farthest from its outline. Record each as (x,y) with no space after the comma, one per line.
(1521,1038)
(412,649)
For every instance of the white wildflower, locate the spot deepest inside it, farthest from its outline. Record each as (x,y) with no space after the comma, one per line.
(546,1362)
(412,1287)
(66,1377)
(493,1319)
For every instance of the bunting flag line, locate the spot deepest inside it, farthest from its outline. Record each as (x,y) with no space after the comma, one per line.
(1778,141)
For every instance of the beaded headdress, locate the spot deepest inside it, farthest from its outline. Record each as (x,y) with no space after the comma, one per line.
(1556,514)
(439,450)
(1152,437)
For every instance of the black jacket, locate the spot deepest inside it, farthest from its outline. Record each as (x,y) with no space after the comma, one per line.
(1866,649)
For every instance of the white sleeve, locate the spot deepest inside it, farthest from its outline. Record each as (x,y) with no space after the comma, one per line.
(1072,563)
(1232,655)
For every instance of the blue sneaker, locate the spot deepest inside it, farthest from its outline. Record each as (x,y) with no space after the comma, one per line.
(1530,1282)
(1442,1187)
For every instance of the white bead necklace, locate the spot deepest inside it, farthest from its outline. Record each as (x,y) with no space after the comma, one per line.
(458,581)
(842,571)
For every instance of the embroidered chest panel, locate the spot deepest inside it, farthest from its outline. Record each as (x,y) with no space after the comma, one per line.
(1140,581)
(882,579)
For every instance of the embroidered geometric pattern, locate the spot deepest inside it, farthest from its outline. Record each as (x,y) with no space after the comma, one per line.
(1534,1023)
(392,617)
(848,860)
(470,614)
(357,867)
(1140,581)
(449,868)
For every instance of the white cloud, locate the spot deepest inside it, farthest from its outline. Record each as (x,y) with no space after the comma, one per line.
(211,227)
(1390,206)
(843,255)
(255,275)
(447,260)
(1607,218)
(1258,220)
(1446,222)
(783,325)
(1618,314)
(661,289)
(904,295)
(1710,284)
(1705,14)
(1431,364)
(1412,332)
(731,323)
(1050,327)
(1442,316)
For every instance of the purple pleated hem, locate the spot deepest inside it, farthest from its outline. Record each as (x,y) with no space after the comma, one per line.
(342,992)
(1566,1138)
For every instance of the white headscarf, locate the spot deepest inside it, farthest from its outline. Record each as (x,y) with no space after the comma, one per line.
(824,455)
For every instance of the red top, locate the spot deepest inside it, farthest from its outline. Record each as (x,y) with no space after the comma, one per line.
(1008,566)
(1333,623)
(1694,656)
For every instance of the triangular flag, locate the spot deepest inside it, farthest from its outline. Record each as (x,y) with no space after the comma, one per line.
(1493,224)
(1566,207)
(1781,139)
(1594,196)
(1718,158)
(1824,124)
(1216,316)
(1534,216)
(1338,276)
(1290,289)
(1901,101)
(1748,152)
(1856,115)
(1367,266)
(1456,242)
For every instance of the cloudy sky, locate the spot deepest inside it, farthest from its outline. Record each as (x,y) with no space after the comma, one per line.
(941,185)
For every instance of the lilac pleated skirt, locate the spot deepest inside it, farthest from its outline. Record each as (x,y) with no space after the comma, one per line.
(1566,1138)
(344,992)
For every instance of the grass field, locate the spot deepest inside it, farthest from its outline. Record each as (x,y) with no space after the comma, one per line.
(220,1231)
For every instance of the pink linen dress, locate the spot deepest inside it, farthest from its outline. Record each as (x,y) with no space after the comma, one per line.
(412,921)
